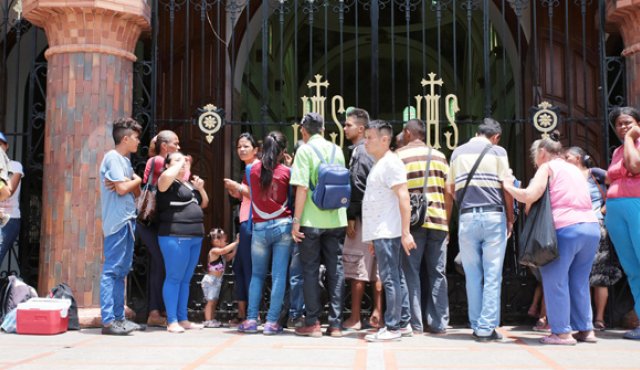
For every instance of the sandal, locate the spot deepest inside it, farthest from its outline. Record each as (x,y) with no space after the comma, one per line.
(585,337)
(599,325)
(175,328)
(542,325)
(236,321)
(556,340)
(188,325)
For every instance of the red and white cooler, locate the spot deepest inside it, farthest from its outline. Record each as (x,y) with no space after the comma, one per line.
(43,316)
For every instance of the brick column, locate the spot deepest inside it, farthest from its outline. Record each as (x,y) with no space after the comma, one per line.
(89,83)
(622,17)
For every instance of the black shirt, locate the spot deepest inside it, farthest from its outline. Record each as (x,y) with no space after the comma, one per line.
(359,167)
(178,211)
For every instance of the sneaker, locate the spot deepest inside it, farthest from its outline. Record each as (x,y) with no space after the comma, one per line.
(297,322)
(384,335)
(494,336)
(310,331)
(132,325)
(271,328)
(116,328)
(632,334)
(334,332)
(248,326)
(437,331)
(212,324)
(407,331)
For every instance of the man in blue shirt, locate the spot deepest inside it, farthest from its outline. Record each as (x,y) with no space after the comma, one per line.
(119,186)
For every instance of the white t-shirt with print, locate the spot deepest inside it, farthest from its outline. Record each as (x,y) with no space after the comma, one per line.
(380,206)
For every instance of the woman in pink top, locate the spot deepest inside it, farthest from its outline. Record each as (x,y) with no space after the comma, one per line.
(247,150)
(623,200)
(565,280)
(164,143)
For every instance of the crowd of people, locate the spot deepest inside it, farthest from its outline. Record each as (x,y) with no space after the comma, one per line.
(299,226)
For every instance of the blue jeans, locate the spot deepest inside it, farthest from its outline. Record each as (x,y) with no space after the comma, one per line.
(269,237)
(396,313)
(565,280)
(431,249)
(242,262)
(623,223)
(118,256)
(180,255)
(8,235)
(322,245)
(482,237)
(296,295)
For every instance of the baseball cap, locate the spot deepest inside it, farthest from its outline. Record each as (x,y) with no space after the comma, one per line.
(312,119)
(3,138)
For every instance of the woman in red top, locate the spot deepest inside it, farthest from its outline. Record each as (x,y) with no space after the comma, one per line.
(269,189)
(623,200)
(164,143)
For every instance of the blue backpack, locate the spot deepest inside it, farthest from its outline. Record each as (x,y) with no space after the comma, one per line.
(333,189)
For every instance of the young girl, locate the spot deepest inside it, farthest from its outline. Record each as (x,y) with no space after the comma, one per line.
(219,253)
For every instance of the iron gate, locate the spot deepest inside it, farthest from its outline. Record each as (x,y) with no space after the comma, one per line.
(257,62)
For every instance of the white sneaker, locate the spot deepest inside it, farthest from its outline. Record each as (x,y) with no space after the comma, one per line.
(384,335)
(407,331)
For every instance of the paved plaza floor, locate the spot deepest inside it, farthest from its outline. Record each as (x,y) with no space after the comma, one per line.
(224,348)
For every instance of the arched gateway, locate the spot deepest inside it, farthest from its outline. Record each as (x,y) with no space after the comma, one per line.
(258,65)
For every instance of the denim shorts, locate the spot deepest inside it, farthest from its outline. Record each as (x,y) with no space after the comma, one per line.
(211,286)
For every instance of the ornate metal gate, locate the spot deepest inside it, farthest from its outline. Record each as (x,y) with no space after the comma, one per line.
(263,63)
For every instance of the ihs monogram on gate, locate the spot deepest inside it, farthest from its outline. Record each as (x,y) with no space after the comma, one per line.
(316,104)
(431,111)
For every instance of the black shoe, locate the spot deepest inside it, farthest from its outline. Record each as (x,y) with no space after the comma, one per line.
(495,336)
(116,328)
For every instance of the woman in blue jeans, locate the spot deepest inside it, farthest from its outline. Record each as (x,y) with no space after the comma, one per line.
(269,189)
(565,280)
(180,232)
(247,150)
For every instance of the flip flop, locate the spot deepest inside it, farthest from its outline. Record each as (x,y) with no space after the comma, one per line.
(599,325)
(556,340)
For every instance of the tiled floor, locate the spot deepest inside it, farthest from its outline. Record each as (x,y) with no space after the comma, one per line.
(226,349)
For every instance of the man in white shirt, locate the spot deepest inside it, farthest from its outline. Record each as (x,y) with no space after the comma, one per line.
(386,215)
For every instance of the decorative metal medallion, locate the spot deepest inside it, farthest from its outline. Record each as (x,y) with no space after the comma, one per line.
(209,121)
(545,119)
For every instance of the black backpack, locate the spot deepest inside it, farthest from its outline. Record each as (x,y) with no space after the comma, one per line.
(13,291)
(63,290)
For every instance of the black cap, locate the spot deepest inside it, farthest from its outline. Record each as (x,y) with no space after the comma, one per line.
(312,120)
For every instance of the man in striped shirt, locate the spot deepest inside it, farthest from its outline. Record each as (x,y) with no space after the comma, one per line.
(432,237)
(485,223)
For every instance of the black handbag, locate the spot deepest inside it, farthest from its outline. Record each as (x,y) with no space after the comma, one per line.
(538,244)
(146,202)
(418,201)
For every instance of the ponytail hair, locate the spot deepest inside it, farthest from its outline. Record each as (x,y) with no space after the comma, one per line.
(163,137)
(274,144)
(585,159)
